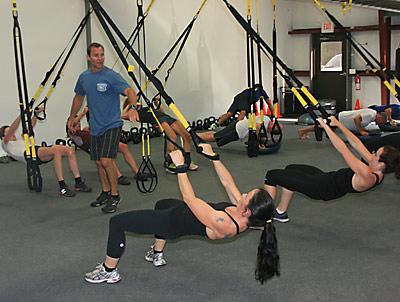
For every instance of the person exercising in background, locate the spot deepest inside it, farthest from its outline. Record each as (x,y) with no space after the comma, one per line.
(357,120)
(354,120)
(241,105)
(238,130)
(392,111)
(172,128)
(359,176)
(14,145)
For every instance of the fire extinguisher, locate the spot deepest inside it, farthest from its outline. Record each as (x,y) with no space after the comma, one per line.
(357,81)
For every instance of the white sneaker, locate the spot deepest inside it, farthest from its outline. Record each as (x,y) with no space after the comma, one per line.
(157,259)
(193,167)
(100,275)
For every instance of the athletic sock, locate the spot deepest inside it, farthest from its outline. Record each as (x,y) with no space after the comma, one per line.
(108,269)
(157,252)
(62,184)
(78,180)
(279,212)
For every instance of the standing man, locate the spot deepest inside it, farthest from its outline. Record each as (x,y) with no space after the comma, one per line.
(102,88)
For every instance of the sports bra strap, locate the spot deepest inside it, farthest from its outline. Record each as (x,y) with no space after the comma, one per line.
(234,221)
(377,182)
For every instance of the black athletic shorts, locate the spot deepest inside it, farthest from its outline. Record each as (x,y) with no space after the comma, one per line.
(145,116)
(38,160)
(226,135)
(105,145)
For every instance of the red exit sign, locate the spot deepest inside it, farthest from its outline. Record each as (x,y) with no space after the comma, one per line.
(327,27)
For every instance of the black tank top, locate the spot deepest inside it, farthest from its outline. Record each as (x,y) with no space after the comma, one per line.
(342,181)
(184,222)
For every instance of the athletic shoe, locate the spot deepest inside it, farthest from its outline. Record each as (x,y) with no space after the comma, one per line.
(213,127)
(112,203)
(123,180)
(171,168)
(67,192)
(281,217)
(101,199)
(157,259)
(82,187)
(100,275)
(193,167)
(4,159)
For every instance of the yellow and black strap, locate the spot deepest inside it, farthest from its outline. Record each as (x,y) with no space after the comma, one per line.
(34,178)
(104,18)
(377,68)
(146,168)
(41,114)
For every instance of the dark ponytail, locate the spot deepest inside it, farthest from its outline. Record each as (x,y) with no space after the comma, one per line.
(391,158)
(267,255)
(262,208)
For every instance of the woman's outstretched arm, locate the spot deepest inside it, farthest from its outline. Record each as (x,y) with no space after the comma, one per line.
(225,177)
(353,140)
(352,161)
(214,220)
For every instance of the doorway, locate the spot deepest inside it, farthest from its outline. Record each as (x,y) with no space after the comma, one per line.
(330,69)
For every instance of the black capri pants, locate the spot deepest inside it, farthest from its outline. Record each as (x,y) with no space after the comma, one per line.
(304,179)
(161,222)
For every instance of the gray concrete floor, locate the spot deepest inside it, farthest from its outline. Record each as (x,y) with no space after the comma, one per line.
(343,250)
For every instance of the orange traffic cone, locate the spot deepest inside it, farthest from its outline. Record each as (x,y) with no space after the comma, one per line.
(358,106)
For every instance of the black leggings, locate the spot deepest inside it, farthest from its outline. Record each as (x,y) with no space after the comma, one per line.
(157,222)
(305,179)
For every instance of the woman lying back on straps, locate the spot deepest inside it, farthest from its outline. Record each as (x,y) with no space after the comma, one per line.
(358,177)
(172,218)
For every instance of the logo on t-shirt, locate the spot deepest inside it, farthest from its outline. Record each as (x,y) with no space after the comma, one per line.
(101,87)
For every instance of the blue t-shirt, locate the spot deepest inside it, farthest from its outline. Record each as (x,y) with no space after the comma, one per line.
(381,108)
(102,90)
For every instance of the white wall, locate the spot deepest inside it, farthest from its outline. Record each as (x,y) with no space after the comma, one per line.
(46,27)
(212,66)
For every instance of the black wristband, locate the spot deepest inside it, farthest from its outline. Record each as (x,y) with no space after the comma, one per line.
(182,168)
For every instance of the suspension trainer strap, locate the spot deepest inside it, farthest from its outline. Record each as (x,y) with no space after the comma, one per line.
(252,140)
(188,30)
(99,12)
(381,71)
(133,36)
(146,168)
(41,115)
(51,70)
(265,46)
(182,37)
(276,129)
(34,178)
(102,16)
